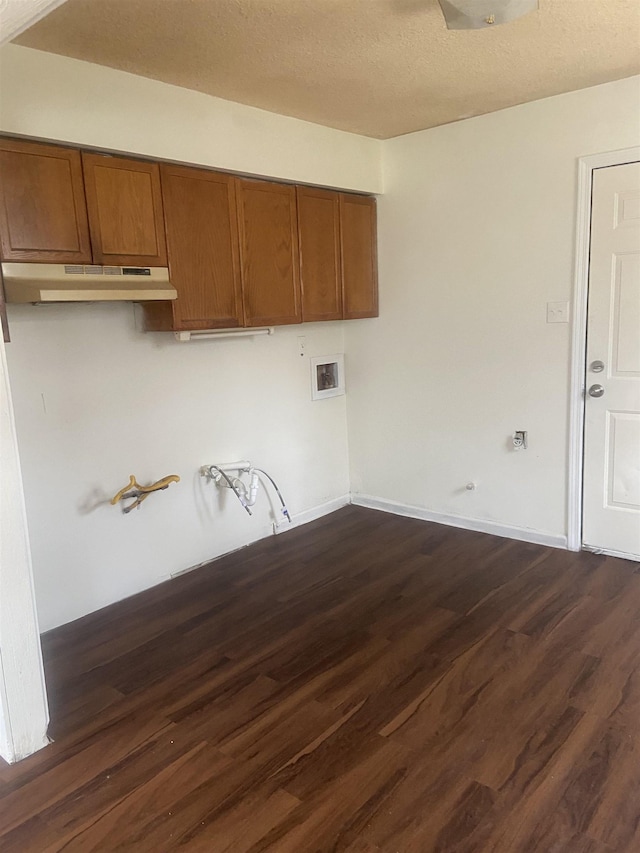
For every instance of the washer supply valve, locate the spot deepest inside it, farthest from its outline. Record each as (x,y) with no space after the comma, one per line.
(247,493)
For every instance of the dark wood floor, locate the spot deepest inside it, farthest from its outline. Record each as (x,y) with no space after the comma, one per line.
(365,683)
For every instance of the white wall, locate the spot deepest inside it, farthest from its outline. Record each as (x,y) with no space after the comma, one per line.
(57,98)
(476,234)
(96,400)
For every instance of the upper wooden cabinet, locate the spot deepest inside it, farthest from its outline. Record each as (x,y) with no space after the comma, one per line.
(268,231)
(124,202)
(42,206)
(337,254)
(240,252)
(319,238)
(202,244)
(359,261)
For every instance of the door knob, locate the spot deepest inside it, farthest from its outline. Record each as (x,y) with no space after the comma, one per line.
(597,366)
(596,391)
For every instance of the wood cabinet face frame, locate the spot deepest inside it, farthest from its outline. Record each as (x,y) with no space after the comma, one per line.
(202,249)
(268,231)
(124,204)
(358,238)
(297,254)
(320,259)
(43,214)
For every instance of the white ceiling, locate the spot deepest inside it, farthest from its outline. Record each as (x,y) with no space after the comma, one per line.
(380,68)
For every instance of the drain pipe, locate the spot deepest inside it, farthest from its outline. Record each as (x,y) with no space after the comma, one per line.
(246,494)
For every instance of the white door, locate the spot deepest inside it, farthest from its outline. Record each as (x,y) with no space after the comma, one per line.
(611,498)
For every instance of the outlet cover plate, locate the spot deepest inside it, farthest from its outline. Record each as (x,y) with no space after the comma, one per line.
(327,376)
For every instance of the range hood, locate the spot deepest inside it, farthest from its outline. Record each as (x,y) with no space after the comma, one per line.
(25,282)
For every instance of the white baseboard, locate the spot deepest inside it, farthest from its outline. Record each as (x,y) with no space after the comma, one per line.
(507,531)
(210,560)
(277,527)
(523,534)
(311,514)
(608,552)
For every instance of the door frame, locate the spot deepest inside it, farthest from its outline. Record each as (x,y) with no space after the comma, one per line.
(586,168)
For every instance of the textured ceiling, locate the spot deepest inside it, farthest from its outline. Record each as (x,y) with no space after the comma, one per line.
(375,67)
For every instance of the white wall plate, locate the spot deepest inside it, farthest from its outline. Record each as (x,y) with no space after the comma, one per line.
(327,376)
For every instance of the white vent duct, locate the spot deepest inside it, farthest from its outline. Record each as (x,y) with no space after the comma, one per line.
(476,14)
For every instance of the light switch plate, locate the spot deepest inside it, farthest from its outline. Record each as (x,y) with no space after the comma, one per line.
(557,312)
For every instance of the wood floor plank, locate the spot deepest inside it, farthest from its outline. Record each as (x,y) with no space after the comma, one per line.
(325,822)
(366,684)
(81,767)
(528,802)
(113,828)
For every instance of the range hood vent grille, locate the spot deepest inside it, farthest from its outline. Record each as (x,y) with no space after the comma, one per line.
(91,269)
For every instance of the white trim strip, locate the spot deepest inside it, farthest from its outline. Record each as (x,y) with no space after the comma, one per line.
(311,514)
(522,534)
(586,166)
(16,16)
(611,553)
(24,714)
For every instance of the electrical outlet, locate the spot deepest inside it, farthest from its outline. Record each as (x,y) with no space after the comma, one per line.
(520,439)
(302,345)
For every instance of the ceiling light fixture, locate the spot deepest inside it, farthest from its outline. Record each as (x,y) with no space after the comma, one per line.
(476,14)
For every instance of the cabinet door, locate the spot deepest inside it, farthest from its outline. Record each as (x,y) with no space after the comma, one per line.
(269,253)
(43,215)
(359,259)
(319,235)
(125,211)
(202,244)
